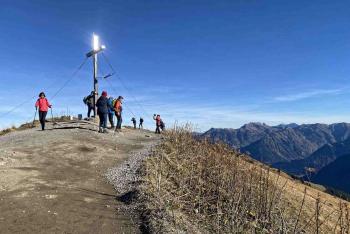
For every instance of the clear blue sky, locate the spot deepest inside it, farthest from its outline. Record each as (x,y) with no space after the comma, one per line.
(213,63)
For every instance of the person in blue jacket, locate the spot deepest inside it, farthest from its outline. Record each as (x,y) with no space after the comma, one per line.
(102,111)
(111,111)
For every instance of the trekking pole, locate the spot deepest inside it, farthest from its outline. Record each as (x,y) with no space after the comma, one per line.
(36,110)
(115,125)
(115,129)
(53,125)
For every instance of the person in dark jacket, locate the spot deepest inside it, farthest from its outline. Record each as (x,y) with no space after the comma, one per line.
(133,120)
(89,101)
(102,111)
(43,104)
(111,111)
(141,123)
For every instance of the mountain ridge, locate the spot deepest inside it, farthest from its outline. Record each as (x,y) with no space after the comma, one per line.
(282,143)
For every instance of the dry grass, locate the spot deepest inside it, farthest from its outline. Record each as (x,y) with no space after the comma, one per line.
(34,124)
(194,186)
(14,128)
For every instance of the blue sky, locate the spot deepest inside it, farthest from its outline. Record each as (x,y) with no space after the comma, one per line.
(212,63)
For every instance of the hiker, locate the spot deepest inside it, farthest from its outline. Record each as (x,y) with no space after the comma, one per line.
(141,123)
(102,111)
(118,108)
(158,123)
(44,106)
(89,101)
(111,111)
(134,122)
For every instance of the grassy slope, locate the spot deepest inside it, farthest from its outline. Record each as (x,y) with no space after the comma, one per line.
(22,127)
(198,187)
(34,124)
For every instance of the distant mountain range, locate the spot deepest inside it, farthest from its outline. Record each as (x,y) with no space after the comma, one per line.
(296,149)
(237,138)
(282,143)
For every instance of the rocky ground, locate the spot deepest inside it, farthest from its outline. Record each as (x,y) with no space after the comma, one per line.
(55,181)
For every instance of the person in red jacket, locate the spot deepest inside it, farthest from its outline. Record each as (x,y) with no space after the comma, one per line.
(43,104)
(158,123)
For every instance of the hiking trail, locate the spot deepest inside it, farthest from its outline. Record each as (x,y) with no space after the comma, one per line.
(54,181)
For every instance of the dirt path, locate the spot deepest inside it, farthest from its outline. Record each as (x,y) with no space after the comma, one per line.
(53,181)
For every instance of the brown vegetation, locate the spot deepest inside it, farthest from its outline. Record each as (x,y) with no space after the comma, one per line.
(32,125)
(197,187)
(14,128)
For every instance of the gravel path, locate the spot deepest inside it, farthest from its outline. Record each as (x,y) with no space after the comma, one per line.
(125,176)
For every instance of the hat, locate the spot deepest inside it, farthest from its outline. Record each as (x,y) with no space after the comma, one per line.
(104,93)
(120,97)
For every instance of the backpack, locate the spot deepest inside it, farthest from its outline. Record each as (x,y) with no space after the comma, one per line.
(162,124)
(85,100)
(114,102)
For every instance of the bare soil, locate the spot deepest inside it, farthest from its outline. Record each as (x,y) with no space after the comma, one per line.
(53,181)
